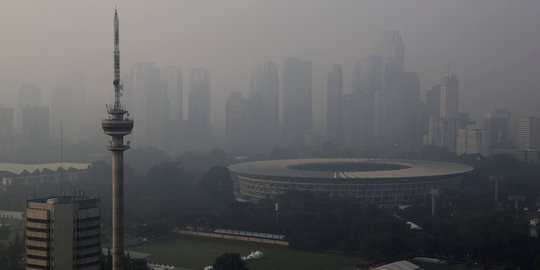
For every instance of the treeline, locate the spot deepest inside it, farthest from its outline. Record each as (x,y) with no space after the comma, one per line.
(11,251)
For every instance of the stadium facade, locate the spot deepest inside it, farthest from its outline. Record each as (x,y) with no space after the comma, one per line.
(384,182)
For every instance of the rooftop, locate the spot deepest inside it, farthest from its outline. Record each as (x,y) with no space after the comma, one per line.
(348,168)
(18,168)
(62,199)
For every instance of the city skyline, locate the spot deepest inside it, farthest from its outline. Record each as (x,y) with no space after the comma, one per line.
(429,52)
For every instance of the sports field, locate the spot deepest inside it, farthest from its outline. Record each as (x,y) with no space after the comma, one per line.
(195,253)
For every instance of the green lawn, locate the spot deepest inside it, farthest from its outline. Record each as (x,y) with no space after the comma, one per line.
(195,253)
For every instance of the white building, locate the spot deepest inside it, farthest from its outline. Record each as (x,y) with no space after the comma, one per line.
(449,96)
(472,141)
(527,133)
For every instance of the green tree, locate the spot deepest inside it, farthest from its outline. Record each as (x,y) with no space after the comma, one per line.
(4,231)
(229,261)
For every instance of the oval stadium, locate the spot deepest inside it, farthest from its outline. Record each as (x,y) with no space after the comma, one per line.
(384,182)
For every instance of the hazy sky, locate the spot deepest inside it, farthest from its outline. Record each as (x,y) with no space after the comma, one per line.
(492,45)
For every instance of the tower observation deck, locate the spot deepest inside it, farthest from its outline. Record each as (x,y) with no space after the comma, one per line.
(117,125)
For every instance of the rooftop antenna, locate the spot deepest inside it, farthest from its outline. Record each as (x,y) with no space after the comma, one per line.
(62,160)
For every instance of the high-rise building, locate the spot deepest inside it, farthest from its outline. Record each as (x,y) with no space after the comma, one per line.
(472,141)
(265,81)
(444,125)
(368,82)
(497,124)
(200,128)
(433,101)
(297,113)
(368,75)
(334,99)
(357,121)
(392,49)
(29,95)
(6,129)
(527,133)
(174,85)
(68,104)
(263,106)
(411,135)
(449,96)
(117,125)
(35,126)
(63,233)
(149,96)
(389,121)
(236,122)
(173,79)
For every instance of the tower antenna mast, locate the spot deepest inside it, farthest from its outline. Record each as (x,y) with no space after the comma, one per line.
(117,125)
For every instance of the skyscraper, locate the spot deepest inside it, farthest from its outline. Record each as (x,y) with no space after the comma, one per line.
(173,121)
(117,125)
(29,95)
(433,101)
(265,81)
(497,124)
(149,98)
(264,99)
(392,49)
(357,120)
(236,122)
(449,96)
(200,128)
(297,114)
(334,98)
(527,133)
(68,104)
(472,141)
(412,135)
(173,78)
(389,124)
(368,75)
(6,129)
(35,126)
(63,233)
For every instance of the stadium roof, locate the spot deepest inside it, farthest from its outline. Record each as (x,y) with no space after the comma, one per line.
(348,168)
(16,168)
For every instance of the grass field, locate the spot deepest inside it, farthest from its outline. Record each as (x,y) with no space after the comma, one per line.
(195,253)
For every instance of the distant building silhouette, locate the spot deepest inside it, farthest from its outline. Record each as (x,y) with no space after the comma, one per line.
(392,49)
(334,100)
(68,104)
(200,128)
(236,124)
(35,127)
(263,100)
(6,129)
(28,95)
(297,112)
(449,96)
(527,133)
(444,127)
(148,100)
(174,84)
(368,75)
(497,124)
(357,121)
(433,101)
